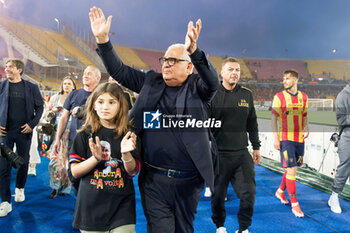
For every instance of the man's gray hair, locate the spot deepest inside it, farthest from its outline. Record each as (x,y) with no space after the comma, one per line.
(183,48)
(97,70)
(184,54)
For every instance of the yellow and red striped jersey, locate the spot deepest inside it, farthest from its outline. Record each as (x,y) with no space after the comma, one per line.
(291,110)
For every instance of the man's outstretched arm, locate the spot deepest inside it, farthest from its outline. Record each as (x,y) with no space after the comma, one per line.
(125,75)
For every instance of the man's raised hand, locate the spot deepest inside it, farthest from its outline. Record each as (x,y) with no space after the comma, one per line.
(192,36)
(99,26)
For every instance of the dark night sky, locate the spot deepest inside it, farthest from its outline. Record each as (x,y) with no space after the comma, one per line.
(263,28)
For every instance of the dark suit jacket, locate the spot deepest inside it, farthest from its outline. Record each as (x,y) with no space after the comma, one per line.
(194,97)
(34,103)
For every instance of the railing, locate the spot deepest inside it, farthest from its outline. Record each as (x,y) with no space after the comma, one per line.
(42,43)
(20,31)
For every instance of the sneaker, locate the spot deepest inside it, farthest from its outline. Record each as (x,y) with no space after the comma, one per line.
(282,197)
(333,202)
(31,171)
(221,230)
(19,195)
(245,231)
(53,193)
(207,192)
(297,211)
(5,208)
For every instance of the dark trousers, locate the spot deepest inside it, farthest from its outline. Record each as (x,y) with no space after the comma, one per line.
(169,204)
(23,142)
(237,168)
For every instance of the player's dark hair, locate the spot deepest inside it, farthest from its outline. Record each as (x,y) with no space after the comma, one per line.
(293,73)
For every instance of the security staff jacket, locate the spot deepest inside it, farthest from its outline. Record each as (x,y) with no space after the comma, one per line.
(236,111)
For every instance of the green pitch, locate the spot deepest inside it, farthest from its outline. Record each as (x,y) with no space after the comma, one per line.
(324,118)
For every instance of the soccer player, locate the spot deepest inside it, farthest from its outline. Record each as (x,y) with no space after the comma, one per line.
(290,108)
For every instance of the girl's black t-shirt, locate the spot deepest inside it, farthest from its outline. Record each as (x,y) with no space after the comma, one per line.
(106,196)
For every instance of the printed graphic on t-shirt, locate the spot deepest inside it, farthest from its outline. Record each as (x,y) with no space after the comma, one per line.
(16,94)
(111,176)
(106,150)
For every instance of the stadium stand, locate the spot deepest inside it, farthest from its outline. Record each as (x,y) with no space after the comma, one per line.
(65,44)
(51,45)
(130,57)
(245,71)
(36,78)
(44,85)
(151,57)
(263,76)
(336,69)
(32,36)
(216,61)
(2,73)
(87,45)
(266,91)
(271,69)
(3,48)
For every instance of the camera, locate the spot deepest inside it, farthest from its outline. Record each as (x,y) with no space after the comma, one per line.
(15,160)
(335,138)
(80,112)
(46,128)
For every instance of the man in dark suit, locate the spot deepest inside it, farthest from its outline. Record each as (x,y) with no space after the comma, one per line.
(177,154)
(21,107)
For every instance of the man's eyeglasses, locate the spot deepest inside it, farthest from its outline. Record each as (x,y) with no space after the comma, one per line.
(170,60)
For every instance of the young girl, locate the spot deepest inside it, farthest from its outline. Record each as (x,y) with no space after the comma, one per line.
(103,155)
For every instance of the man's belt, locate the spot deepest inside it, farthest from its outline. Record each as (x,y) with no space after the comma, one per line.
(170,172)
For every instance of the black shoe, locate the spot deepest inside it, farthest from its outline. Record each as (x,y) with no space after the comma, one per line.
(53,193)
(63,194)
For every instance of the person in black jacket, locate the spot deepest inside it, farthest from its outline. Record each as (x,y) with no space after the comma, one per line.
(176,160)
(21,107)
(233,106)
